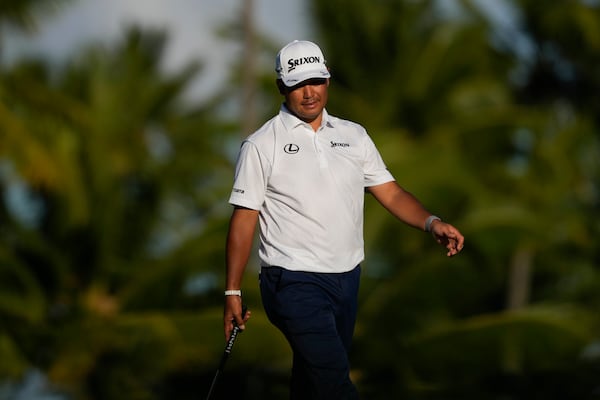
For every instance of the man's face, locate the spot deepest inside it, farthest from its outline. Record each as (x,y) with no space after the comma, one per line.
(307,99)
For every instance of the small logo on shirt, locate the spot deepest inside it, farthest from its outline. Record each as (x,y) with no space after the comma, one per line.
(291,148)
(236,190)
(338,144)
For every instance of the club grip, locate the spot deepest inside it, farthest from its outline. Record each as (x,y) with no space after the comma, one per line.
(234,333)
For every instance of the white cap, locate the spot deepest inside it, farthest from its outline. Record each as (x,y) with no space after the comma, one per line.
(300,60)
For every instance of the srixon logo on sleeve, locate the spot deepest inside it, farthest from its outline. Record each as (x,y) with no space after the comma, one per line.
(294,62)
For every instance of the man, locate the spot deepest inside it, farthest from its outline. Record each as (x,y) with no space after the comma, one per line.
(303,175)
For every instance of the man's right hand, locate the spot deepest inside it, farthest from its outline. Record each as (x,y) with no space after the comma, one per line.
(232,315)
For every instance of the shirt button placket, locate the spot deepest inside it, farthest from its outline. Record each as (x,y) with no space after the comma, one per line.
(319,149)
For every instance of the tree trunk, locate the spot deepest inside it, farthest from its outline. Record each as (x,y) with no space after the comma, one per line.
(519,278)
(517,297)
(248,108)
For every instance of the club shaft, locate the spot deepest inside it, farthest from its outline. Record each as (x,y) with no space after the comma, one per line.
(224,357)
(212,385)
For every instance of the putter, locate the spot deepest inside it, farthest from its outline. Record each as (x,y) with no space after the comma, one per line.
(225,356)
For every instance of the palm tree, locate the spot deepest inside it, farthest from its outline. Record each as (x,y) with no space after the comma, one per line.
(130,181)
(435,95)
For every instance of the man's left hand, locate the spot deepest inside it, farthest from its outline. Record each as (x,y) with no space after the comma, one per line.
(448,236)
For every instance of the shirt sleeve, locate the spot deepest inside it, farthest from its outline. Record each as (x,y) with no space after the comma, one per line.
(375,171)
(249,184)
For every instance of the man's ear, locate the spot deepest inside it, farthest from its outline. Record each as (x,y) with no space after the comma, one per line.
(281,86)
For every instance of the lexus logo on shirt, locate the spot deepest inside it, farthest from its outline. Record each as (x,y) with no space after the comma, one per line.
(291,148)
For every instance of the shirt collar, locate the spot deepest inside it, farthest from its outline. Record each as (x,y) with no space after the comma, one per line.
(290,121)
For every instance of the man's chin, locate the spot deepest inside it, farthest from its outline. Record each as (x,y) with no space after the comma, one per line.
(310,114)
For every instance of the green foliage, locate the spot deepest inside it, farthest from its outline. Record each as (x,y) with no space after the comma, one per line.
(499,142)
(130,184)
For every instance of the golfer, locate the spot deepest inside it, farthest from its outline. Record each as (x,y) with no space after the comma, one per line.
(302,177)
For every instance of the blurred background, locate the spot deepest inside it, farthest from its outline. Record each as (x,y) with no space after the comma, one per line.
(120,123)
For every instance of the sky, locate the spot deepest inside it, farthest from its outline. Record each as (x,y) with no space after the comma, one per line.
(191,25)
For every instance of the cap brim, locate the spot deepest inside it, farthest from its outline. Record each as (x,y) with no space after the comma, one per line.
(295,79)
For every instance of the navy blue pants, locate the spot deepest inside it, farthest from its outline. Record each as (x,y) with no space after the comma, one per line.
(316,312)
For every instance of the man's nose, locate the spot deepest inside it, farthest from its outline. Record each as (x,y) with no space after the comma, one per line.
(307,91)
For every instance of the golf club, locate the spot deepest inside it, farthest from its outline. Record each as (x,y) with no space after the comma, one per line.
(225,356)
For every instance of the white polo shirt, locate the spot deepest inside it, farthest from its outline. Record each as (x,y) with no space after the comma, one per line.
(309,189)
